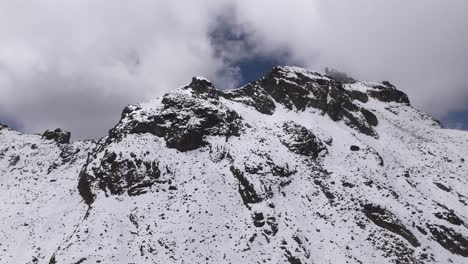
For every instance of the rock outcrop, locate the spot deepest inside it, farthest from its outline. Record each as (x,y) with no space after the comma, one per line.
(59,136)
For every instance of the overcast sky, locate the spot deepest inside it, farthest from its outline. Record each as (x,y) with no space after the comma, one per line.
(75,64)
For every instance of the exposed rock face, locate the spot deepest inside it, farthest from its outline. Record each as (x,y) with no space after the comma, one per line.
(387,220)
(449,239)
(360,96)
(185,118)
(296,89)
(301,140)
(132,175)
(84,188)
(278,171)
(388,93)
(59,136)
(252,95)
(449,216)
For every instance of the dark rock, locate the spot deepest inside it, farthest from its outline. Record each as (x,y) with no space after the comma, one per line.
(254,169)
(14,160)
(387,220)
(354,148)
(82,260)
(388,93)
(203,86)
(370,117)
(294,260)
(140,188)
(186,140)
(442,187)
(300,140)
(325,190)
(61,137)
(297,91)
(390,96)
(128,110)
(68,153)
(341,107)
(282,171)
(348,184)
(290,258)
(246,189)
(84,188)
(132,175)
(53,166)
(185,120)
(381,160)
(252,95)
(258,219)
(289,94)
(329,195)
(272,224)
(387,83)
(422,230)
(449,239)
(360,96)
(450,217)
(369,183)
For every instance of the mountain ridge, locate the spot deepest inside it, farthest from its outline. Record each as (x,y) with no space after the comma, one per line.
(278,171)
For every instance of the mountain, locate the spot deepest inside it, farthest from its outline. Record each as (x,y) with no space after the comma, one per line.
(296,167)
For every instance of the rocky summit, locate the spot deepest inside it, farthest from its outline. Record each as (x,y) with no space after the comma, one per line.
(297,167)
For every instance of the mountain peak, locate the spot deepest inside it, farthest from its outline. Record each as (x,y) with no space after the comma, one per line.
(200,84)
(280,170)
(295,72)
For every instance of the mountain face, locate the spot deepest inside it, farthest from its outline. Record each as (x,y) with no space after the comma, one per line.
(297,167)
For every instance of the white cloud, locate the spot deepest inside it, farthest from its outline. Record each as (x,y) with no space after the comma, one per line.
(76,63)
(419,45)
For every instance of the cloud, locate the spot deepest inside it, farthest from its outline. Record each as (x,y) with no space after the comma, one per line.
(418,45)
(75,64)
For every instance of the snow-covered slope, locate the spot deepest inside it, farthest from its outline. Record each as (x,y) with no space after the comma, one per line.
(40,205)
(294,168)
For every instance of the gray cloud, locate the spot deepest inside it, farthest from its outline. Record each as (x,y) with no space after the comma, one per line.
(418,45)
(75,64)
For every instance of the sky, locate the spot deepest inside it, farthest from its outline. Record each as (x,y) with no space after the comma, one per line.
(75,64)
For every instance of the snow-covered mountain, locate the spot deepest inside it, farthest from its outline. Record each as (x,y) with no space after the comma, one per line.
(296,167)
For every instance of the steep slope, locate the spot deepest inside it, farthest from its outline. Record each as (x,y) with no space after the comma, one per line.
(296,167)
(40,204)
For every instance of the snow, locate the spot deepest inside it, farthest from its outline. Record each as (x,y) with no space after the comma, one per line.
(292,71)
(205,220)
(201,78)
